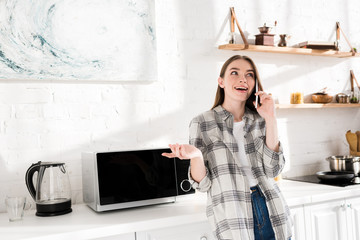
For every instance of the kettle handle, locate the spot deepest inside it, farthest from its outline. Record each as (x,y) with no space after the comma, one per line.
(29,178)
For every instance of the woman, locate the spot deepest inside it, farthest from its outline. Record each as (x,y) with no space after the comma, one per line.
(235,154)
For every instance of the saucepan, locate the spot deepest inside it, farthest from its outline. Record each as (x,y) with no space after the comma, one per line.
(345,163)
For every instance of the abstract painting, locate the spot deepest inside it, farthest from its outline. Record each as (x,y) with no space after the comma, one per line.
(110,40)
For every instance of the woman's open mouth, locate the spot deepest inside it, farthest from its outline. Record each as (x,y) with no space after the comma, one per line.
(241,89)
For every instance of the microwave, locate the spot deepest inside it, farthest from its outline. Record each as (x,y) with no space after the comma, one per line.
(126,179)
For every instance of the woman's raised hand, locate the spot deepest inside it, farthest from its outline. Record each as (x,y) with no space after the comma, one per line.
(183,151)
(267,108)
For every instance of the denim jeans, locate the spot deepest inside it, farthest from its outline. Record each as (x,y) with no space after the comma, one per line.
(262,225)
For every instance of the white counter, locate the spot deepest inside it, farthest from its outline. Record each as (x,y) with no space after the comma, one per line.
(84,223)
(298,193)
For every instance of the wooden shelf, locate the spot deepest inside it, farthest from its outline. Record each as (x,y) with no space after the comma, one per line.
(288,50)
(318,105)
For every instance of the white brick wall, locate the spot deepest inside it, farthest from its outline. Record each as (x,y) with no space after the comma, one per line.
(56,121)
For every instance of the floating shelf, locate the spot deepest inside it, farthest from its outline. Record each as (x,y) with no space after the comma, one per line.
(288,50)
(318,105)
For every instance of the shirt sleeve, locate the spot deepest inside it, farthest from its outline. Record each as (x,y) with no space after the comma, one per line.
(197,140)
(273,162)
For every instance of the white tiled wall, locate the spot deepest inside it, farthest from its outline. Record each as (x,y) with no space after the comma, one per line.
(56,121)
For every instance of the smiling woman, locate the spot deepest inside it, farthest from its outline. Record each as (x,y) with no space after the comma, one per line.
(90,40)
(235,154)
(249,73)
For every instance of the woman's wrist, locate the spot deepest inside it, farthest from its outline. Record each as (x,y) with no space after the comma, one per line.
(198,170)
(197,157)
(271,120)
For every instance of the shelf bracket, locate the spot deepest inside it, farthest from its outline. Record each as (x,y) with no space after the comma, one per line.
(338,30)
(234,19)
(353,78)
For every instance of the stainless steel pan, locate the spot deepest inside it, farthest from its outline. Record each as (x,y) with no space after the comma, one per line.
(335,176)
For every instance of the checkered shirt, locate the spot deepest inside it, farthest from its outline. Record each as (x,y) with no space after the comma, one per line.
(229,208)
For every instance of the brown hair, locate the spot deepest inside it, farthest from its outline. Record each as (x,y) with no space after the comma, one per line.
(220,94)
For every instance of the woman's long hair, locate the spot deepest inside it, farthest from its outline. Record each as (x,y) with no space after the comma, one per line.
(220,94)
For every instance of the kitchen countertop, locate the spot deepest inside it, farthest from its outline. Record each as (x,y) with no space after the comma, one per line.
(84,223)
(302,193)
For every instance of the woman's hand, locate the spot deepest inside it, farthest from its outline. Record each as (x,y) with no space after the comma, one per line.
(267,108)
(183,151)
(186,151)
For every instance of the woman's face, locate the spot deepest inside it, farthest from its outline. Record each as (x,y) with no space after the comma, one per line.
(239,81)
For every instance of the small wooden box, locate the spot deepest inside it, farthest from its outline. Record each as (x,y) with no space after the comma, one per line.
(264,39)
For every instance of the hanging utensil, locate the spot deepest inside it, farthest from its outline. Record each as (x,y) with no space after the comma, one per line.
(352,140)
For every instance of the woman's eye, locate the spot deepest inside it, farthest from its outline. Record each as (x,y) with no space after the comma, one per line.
(249,75)
(234,73)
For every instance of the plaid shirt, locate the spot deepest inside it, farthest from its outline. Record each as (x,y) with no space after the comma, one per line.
(229,208)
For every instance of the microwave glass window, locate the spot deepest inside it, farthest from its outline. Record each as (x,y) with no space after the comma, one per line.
(135,175)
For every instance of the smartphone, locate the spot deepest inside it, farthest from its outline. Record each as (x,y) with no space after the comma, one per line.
(256,97)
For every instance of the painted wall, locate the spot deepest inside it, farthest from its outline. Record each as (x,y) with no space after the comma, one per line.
(56,120)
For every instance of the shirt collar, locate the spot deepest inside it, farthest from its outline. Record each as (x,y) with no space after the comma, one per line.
(224,114)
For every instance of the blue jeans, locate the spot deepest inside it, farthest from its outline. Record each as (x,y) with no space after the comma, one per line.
(262,225)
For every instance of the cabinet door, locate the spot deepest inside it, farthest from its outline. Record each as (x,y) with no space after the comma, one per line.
(195,231)
(326,221)
(298,218)
(353,210)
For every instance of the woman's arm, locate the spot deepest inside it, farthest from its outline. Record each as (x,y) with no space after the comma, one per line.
(267,111)
(272,139)
(273,157)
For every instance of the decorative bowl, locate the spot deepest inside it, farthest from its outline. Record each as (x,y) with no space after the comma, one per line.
(321,98)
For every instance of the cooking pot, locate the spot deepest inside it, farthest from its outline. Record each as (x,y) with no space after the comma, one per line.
(345,163)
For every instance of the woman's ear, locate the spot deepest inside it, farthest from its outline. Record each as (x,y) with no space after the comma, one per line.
(221,82)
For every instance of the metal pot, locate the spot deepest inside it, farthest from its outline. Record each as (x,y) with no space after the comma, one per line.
(344,163)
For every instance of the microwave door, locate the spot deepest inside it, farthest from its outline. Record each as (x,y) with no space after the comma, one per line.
(182,179)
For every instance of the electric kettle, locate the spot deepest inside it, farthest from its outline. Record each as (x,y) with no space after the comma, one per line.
(51,191)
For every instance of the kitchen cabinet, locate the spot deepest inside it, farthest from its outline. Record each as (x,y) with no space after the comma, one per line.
(288,50)
(333,220)
(195,231)
(326,221)
(298,218)
(353,208)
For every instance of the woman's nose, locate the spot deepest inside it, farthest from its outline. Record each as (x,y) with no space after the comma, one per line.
(242,78)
